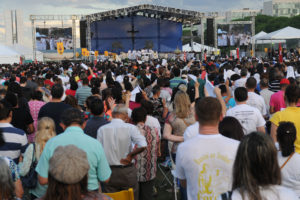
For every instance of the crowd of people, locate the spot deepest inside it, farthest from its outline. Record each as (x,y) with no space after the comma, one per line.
(229,127)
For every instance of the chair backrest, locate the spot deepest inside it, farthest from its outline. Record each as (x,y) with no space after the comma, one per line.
(123,195)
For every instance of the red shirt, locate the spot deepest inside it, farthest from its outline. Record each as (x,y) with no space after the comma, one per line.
(48,82)
(71,92)
(133,105)
(92,76)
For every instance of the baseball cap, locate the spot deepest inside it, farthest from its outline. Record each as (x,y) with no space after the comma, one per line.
(284,81)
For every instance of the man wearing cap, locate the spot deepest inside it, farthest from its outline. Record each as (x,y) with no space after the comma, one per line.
(277,99)
(117,139)
(68,169)
(72,121)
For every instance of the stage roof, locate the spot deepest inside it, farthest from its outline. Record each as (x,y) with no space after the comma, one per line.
(153,11)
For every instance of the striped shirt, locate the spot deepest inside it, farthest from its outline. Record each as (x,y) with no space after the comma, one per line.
(176,81)
(274,86)
(15,142)
(82,94)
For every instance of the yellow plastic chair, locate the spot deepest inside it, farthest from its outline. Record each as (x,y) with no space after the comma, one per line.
(123,195)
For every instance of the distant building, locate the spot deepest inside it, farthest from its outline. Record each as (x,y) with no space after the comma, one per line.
(2,30)
(282,8)
(239,14)
(13,27)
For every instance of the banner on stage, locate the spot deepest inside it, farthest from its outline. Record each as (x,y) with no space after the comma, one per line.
(60,48)
(84,51)
(96,54)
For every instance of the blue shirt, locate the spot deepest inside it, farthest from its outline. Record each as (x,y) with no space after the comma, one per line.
(99,168)
(231,103)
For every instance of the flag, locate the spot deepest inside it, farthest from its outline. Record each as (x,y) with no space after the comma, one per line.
(83,51)
(237,53)
(280,53)
(209,87)
(21,61)
(96,54)
(106,53)
(60,48)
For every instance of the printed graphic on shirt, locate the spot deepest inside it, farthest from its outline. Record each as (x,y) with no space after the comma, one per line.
(212,179)
(245,117)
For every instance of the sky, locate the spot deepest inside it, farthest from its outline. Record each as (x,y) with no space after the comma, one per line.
(83,7)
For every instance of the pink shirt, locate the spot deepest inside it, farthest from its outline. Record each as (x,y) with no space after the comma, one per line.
(277,101)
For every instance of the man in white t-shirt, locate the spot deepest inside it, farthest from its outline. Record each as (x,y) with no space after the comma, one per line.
(242,81)
(254,99)
(266,93)
(249,117)
(191,131)
(204,163)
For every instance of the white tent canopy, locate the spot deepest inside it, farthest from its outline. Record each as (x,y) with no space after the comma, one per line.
(197,48)
(8,55)
(261,34)
(258,35)
(282,34)
(28,53)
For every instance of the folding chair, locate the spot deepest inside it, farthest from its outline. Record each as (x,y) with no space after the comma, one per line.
(170,166)
(123,195)
(173,171)
(165,169)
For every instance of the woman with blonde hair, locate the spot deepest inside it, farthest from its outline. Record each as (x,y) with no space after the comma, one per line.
(177,121)
(45,131)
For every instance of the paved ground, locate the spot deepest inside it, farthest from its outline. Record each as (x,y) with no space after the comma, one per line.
(164,191)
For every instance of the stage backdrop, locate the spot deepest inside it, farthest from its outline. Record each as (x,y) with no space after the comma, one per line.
(136,32)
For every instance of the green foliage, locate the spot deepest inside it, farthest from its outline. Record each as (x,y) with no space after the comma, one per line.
(269,24)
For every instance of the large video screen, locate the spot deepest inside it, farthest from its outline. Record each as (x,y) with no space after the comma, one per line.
(137,32)
(234,35)
(46,38)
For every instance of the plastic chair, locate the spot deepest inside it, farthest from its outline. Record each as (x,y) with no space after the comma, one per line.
(123,195)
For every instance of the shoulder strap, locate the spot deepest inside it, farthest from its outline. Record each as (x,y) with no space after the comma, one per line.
(185,122)
(33,153)
(282,166)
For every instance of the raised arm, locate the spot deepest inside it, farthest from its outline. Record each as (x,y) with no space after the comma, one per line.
(217,91)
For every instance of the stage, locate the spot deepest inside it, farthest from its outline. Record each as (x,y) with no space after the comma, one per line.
(135,28)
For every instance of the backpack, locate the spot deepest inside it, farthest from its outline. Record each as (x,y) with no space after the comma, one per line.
(30,179)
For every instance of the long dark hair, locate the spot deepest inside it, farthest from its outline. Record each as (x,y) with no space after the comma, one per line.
(286,137)
(255,165)
(230,127)
(61,191)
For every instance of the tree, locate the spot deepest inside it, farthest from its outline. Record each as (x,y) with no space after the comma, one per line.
(269,24)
